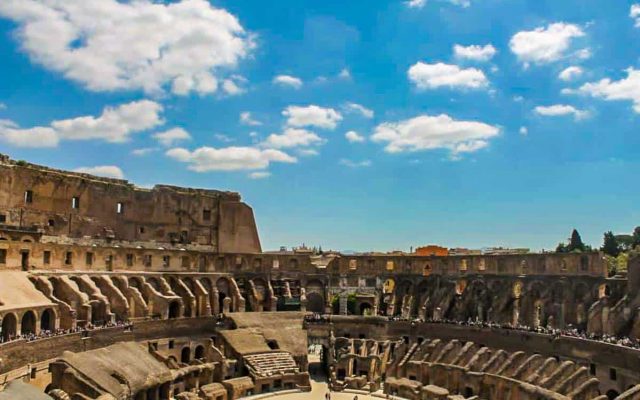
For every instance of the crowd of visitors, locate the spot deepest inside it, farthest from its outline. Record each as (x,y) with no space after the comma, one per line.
(570,331)
(45,333)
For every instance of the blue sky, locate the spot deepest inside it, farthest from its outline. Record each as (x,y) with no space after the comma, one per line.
(472,123)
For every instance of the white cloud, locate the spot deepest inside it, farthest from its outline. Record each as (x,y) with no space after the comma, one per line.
(432,76)
(475,52)
(354,137)
(112,45)
(247,119)
(259,175)
(623,89)
(114,125)
(107,171)
(544,45)
(312,115)
(421,3)
(143,151)
(426,132)
(634,13)
(223,138)
(233,86)
(415,3)
(524,131)
(355,164)
(570,73)
(558,110)
(170,137)
(307,152)
(518,99)
(354,107)
(33,137)
(292,137)
(344,74)
(233,158)
(3,106)
(288,80)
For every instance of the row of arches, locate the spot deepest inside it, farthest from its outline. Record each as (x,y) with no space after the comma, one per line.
(28,323)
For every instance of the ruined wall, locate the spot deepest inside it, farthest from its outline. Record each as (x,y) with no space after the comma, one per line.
(77,205)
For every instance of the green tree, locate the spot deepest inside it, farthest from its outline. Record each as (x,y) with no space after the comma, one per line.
(610,245)
(575,243)
(636,236)
(561,248)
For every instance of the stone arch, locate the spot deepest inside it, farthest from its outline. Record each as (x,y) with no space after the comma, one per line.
(612,394)
(223,285)
(174,309)
(28,323)
(293,263)
(153,281)
(9,326)
(315,302)
(365,308)
(48,320)
(199,353)
(185,355)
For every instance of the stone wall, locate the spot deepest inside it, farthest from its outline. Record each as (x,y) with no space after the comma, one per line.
(78,205)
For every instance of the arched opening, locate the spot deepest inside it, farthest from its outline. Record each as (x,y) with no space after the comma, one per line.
(315,302)
(47,320)
(185,355)
(9,327)
(224,290)
(366,309)
(273,345)
(612,394)
(28,325)
(221,297)
(468,392)
(174,309)
(199,353)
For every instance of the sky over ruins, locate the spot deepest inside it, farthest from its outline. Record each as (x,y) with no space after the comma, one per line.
(351,125)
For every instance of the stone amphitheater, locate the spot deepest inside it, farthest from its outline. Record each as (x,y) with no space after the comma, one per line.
(110,291)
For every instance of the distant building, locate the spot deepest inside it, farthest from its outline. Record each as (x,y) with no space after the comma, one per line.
(432,250)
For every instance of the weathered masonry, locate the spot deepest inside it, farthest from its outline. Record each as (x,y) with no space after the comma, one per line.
(103,284)
(78,205)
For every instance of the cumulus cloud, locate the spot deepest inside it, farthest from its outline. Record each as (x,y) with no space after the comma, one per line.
(247,119)
(36,137)
(558,110)
(426,132)
(433,76)
(544,44)
(143,151)
(475,52)
(623,89)
(205,159)
(357,108)
(354,137)
(114,125)
(107,171)
(288,80)
(312,115)
(415,3)
(634,13)
(421,3)
(170,137)
(345,74)
(570,73)
(355,164)
(524,131)
(259,175)
(111,45)
(292,137)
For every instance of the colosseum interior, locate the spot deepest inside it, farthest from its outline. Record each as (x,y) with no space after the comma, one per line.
(110,291)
